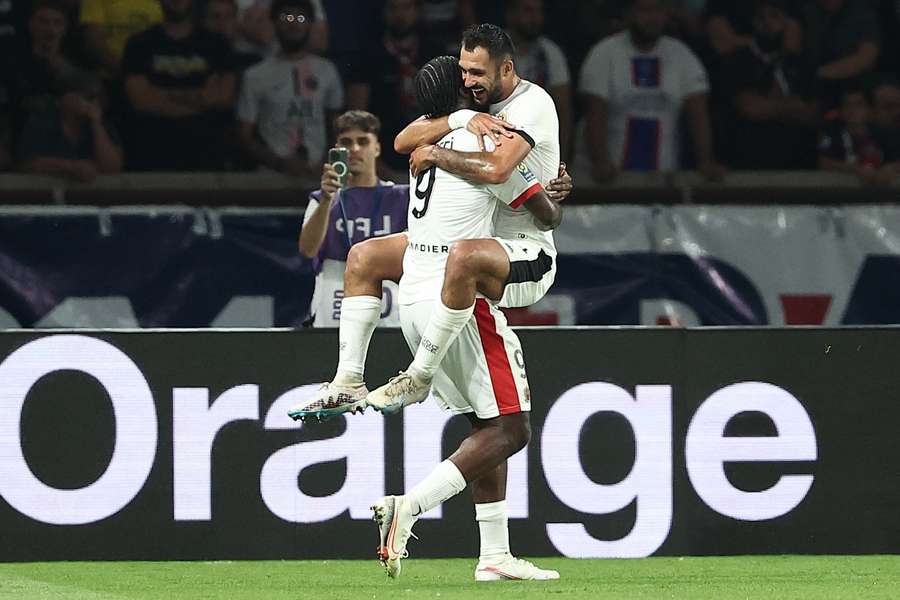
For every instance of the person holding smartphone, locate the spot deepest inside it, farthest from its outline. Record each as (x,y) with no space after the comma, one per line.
(350,206)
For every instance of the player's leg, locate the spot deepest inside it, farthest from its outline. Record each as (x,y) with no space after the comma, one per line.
(473,266)
(495,560)
(369,263)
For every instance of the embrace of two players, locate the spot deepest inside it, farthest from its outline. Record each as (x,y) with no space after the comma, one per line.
(479,238)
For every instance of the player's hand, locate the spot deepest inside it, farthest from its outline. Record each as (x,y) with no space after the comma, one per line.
(484,124)
(560,188)
(420,160)
(330,182)
(604,172)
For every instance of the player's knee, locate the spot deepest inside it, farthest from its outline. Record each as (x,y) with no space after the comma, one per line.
(518,432)
(360,260)
(462,258)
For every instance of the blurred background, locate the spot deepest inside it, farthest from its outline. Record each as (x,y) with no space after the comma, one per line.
(735,163)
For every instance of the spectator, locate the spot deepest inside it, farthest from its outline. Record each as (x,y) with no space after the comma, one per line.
(847,143)
(72,140)
(257,35)
(288,100)
(180,83)
(541,61)
(730,27)
(338,217)
(443,20)
(221,16)
(843,38)
(36,68)
(772,121)
(108,24)
(886,126)
(635,84)
(383,83)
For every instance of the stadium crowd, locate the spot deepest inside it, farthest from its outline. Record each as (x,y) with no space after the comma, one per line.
(99,86)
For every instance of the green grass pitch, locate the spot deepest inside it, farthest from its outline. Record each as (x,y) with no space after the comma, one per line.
(771,578)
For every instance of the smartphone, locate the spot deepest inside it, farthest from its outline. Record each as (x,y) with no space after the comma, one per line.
(338,158)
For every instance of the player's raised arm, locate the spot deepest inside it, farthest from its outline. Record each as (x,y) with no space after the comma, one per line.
(423,131)
(482,167)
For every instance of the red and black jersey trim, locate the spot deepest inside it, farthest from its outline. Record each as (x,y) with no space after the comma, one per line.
(522,271)
(525,136)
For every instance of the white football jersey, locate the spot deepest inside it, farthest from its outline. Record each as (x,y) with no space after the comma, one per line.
(532,111)
(444,209)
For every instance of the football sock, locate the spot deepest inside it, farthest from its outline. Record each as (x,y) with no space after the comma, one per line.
(359,316)
(443,327)
(493,527)
(439,486)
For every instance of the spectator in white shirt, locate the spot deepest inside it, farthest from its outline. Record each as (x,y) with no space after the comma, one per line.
(289,100)
(541,61)
(635,84)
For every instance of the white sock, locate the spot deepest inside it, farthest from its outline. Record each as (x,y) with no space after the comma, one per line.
(493,525)
(439,486)
(359,316)
(443,327)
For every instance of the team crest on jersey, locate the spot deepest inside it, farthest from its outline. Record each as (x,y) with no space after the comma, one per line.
(526,173)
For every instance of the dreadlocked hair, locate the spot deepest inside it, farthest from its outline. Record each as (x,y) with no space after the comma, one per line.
(437,86)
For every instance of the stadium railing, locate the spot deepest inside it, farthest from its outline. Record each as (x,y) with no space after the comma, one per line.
(272,189)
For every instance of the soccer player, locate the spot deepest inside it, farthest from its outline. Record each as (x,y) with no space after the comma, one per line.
(516,272)
(517,266)
(445,209)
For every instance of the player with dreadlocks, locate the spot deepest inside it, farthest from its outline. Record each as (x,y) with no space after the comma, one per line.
(445,209)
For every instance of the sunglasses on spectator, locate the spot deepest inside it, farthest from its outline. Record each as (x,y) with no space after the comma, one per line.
(292,18)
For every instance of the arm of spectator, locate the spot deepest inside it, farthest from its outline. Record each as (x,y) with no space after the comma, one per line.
(315,224)
(562,97)
(793,36)
(854,65)
(722,36)
(259,152)
(358,96)
(697,109)
(754,106)
(597,118)
(482,167)
(148,98)
(77,170)
(107,153)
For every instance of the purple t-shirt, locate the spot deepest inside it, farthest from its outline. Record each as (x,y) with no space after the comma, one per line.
(364,213)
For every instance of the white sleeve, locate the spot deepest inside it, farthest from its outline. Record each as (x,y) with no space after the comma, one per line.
(693,76)
(520,186)
(557,67)
(596,71)
(334,95)
(248,102)
(310,209)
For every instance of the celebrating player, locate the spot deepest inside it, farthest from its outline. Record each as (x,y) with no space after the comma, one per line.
(516,272)
(476,378)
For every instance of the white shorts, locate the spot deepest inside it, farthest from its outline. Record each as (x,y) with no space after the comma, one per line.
(532,271)
(484,369)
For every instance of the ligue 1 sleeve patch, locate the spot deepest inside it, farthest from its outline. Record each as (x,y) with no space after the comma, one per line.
(526,173)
